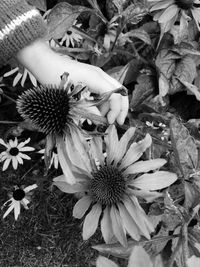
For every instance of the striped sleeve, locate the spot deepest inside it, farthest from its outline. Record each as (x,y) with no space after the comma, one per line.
(20,24)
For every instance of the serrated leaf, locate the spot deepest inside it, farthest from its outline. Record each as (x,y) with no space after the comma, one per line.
(184,146)
(142,91)
(40,4)
(174,67)
(61,18)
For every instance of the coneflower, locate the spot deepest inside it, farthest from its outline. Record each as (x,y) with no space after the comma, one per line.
(111,184)
(56,111)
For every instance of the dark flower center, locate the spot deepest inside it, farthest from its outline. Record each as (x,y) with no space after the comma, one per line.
(14,151)
(184,4)
(107,185)
(47,108)
(69,32)
(18,194)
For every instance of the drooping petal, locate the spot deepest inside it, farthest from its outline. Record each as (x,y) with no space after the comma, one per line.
(15,142)
(65,162)
(6,163)
(145,166)
(135,151)
(61,183)
(122,146)
(118,228)
(14,163)
(104,262)
(149,196)
(128,222)
(106,226)
(30,188)
(11,207)
(137,216)
(155,181)
(25,203)
(111,140)
(91,221)
(24,156)
(168,14)
(17,208)
(81,206)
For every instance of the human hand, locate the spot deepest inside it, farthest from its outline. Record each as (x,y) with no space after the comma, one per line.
(48,67)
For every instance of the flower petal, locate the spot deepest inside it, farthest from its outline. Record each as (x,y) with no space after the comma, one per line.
(6,163)
(68,188)
(168,14)
(135,151)
(14,163)
(3,143)
(27,148)
(65,162)
(145,166)
(25,203)
(104,262)
(17,209)
(20,160)
(11,207)
(81,206)
(30,188)
(97,148)
(111,140)
(137,216)
(106,226)
(20,145)
(122,146)
(118,228)
(149,196)
(91,221)
(155,181)
(24,156)
(128,222)
(161,5)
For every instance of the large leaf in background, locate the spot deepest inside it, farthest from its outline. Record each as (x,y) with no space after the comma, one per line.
(134,13)
(61,17)
(140,34)
(128,73)
(173,67)
(184,146)
(142,91)
(40,4)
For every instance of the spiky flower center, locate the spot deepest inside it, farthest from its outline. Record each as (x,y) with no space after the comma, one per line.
(184,4)
(14,151)
(18,194)
(47,108)
(107,186)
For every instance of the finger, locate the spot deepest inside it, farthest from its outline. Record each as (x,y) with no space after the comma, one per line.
(124,110)
(115,107)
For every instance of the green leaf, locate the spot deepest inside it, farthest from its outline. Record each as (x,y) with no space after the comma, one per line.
(61,18)
(191,88)
(40,4)
(184,146)
(134,13)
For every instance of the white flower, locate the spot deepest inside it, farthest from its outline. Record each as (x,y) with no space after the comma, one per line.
(14,152)
(22,73)
(19,197)
(71,36)
(54,157)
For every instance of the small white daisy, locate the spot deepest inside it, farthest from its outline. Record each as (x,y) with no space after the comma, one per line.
(20,196)
(71,36)
(54,158)
(14,152)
